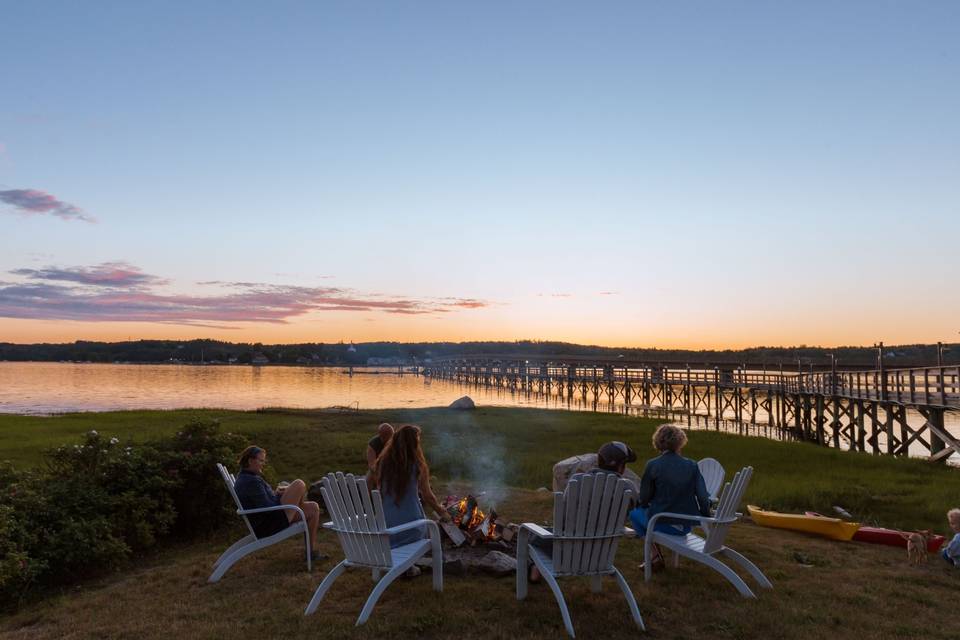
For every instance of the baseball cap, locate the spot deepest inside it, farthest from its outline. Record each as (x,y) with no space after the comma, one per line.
(616,452)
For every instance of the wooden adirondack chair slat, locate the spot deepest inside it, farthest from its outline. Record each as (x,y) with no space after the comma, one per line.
(706,550)
(582,510)
(250,543)
(346,521)
(713,475)
(359,522)
(592,526)
(569,526)
(558,513)
(381,519)
(612,522)
(597,559)
(588,515)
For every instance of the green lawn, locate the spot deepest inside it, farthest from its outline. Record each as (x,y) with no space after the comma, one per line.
(498,447)
(822,588)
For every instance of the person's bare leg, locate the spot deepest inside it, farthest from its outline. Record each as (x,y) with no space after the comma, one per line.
(294,494)
(312,511)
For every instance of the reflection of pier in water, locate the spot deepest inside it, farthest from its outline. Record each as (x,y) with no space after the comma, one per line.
(880,411)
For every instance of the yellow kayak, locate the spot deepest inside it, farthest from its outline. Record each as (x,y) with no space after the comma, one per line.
(833,528)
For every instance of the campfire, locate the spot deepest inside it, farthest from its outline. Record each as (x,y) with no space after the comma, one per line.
(470,524)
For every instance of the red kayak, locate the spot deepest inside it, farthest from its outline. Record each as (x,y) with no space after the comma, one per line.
(890,537)
(893,538)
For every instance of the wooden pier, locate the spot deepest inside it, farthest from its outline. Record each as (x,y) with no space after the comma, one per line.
(883,411)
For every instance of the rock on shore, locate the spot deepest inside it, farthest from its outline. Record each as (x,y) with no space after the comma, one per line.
(465,403)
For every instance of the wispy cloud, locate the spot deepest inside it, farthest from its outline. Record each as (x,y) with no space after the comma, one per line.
(609,293)
(107,274)
(117,291)
(35,202)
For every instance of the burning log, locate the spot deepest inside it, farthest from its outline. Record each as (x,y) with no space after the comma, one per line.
(454,533)
(470,523)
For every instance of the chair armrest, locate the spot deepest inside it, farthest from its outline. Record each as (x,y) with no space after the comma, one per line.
(279,507)
(536,530)
(686,516)
(409,525)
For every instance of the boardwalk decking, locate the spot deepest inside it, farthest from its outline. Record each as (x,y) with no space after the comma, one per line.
(883,411)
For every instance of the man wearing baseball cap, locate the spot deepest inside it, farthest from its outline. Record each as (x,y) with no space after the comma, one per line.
(614,456)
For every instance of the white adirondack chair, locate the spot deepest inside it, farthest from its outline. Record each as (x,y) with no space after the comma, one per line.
(359,523)
(713,475)
(706,550)
(250,543)
(588,523)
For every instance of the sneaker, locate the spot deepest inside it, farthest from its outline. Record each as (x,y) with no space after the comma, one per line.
(412,572)
(316,556)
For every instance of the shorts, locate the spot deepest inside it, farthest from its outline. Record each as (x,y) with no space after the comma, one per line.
(272,522)
(639,518)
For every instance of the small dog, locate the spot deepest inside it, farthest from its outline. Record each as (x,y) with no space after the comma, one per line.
(916,545)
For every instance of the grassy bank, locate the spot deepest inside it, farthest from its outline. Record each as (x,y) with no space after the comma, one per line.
(498,447)
(821,587)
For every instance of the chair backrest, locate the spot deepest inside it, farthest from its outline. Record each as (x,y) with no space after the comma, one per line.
(358,519)
(588,523)
(727,509)
(229,479)
(713,475)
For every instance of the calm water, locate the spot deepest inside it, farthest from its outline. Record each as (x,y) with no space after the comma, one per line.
(48,387)
(51,387)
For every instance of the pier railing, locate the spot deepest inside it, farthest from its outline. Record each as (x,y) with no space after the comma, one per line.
(892,411)
(932,386)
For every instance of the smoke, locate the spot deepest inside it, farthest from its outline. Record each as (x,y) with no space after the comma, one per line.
(468,456)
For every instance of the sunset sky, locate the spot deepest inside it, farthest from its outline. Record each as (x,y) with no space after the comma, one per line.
(689,174)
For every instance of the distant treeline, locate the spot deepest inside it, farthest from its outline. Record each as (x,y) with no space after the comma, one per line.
(214,351)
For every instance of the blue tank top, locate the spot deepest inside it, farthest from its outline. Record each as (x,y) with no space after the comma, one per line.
(406,509)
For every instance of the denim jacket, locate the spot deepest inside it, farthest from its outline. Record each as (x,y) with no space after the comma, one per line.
(674,484)
(254,493)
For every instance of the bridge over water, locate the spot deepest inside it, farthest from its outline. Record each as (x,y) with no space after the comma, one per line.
(897,411)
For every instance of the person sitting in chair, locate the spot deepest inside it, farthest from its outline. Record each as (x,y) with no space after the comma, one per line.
(612,458)
(377,443)
(403,477)
(254,493)
(669,483)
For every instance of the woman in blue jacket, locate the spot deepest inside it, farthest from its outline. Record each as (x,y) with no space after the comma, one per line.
(670,483)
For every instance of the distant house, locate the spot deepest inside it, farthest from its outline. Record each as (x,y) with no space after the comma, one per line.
(386,362)
(260,359)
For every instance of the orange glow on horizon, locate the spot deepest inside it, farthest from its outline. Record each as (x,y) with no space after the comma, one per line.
(349,328)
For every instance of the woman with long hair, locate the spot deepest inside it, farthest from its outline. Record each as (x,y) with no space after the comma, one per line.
(403,477)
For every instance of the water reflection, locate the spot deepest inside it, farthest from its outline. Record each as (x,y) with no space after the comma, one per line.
(44,388)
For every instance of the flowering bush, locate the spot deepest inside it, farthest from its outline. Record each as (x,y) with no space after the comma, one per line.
(93,505)
(199,497)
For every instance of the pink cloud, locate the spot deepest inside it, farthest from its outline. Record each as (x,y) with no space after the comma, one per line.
(107,274)
(119,292)
(35,202)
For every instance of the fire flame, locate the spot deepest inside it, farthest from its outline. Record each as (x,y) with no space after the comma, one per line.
(474,519)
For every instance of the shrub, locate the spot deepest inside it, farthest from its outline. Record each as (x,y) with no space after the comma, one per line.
(95,504)
(199,497)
